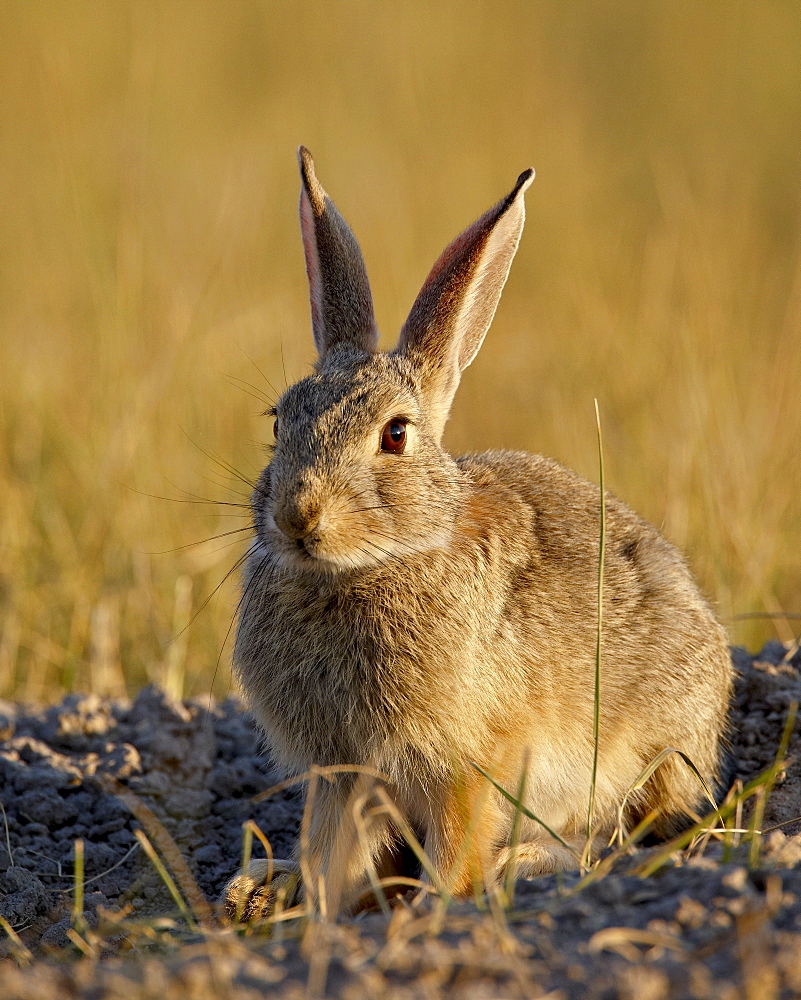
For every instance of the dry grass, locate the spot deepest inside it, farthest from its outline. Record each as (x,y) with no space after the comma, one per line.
(149,250)
(496,942)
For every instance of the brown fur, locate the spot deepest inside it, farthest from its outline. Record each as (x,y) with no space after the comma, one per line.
(416,613)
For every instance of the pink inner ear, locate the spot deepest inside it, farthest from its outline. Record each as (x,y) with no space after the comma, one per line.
(452,313)
(448,281)
(451,251)
(309,238)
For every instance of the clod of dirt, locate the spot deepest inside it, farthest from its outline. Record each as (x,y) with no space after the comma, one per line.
(23,897)
(193,766)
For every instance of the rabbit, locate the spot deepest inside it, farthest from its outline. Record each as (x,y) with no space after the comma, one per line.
(413,613)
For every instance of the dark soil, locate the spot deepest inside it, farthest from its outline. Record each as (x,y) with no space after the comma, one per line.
(700,927)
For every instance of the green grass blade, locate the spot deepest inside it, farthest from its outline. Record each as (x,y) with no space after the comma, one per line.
(514,838)
(408,835)
(599,633)
(360,825)
(166,845)
(247,850)
(8,837)
(660,758)
(21,952)
(526,812)
(720,814)
(604,866)
(759,810)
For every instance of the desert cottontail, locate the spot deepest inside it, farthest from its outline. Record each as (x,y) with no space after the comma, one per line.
(415,613)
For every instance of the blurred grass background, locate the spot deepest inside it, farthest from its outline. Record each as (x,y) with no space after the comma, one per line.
(150,259)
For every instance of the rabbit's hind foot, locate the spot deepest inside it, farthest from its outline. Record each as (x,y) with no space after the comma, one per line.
(253,895)
(534,858)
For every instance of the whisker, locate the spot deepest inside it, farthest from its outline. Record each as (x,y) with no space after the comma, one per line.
(228,513)
(230,469)
(189,498)
(386,534)
(245,593)
(232,570)
(221,484)
(275,392)
(382,506)
(379,548)
(245,386)
(202,541)
(265,568)
(283,366)
(252,585)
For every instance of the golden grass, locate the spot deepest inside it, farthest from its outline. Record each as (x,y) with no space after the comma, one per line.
(149,255)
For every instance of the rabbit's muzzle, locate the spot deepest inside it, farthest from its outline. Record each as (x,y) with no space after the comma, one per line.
(297,517)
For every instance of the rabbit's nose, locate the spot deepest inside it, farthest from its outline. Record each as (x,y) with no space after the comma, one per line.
(296,522)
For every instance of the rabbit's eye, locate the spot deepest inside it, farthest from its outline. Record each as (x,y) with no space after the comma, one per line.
(393,437)
(275,427)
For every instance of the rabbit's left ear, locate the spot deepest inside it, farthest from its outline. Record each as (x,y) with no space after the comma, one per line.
(341,302)
(454,309)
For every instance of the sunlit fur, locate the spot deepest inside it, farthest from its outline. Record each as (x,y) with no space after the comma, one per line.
(417,613)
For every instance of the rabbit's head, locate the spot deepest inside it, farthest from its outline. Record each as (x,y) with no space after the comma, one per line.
(358,475)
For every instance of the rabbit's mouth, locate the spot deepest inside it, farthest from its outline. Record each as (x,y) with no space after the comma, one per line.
(330,550)
(307,551)
(318,551)
(312,555)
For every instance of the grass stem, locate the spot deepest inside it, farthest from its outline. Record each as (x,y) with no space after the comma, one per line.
(77,885)
(599,634)
(166,878)
(247,848)
(755,845)
(514,838)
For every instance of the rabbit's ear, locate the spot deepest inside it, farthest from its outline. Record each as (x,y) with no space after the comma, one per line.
(341,303)
(455,307)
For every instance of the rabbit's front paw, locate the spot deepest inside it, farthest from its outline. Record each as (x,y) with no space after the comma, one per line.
(252,895)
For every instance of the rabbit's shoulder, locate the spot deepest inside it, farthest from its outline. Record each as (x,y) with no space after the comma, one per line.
(559,513)
(552,491)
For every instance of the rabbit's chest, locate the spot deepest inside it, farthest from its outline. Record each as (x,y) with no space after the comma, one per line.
(321,680)
(369,674)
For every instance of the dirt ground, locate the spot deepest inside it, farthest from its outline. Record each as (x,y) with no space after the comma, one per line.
(706,924)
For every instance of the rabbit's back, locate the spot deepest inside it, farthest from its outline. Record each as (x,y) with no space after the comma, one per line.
(547,519)
(659,634)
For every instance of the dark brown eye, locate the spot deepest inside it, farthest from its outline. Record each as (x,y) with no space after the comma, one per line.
(275,427)
(393,437)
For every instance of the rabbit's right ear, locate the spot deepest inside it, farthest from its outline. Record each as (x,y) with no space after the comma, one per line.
(455,307)
(341,302)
